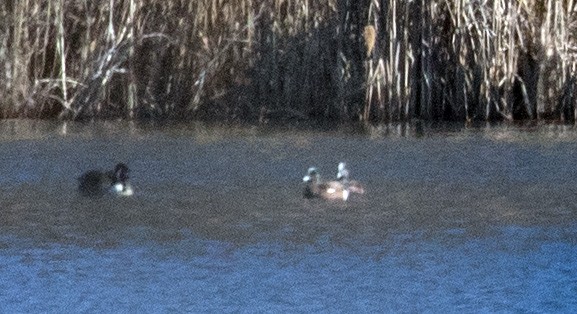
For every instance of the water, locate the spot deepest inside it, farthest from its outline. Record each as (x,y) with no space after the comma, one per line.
(454,220)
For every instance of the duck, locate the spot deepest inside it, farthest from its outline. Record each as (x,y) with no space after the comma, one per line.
(98,183)
(353,186)
(330,190)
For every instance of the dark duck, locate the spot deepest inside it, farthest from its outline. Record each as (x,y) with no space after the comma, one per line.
(98,183)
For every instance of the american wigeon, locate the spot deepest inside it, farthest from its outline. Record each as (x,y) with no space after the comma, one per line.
(326,190)
(98,183)
(353,186)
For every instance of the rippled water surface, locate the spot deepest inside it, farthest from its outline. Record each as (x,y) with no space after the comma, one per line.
(454,219)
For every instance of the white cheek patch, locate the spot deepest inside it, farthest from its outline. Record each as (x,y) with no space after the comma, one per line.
(331,190)
(117,188)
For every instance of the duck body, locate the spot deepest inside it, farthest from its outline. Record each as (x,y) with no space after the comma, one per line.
(94,183)
(330,190)
(353,186)
(356,187)
(98,183)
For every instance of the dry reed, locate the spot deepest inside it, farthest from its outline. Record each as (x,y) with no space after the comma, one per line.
(370,60)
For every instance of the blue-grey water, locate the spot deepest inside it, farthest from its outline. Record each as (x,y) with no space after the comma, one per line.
(455,219)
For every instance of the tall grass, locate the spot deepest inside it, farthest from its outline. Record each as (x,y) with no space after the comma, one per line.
(369,60)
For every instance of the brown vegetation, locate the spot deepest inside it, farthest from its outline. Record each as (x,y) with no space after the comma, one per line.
(370,60)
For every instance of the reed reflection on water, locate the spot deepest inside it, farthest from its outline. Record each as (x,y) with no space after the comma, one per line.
(494,207)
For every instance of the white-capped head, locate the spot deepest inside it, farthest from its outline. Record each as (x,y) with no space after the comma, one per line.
(312,174)
(343,173)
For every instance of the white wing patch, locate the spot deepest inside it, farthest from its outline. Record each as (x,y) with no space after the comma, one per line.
(345,195)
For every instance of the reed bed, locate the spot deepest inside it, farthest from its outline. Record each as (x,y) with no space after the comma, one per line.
(368,60)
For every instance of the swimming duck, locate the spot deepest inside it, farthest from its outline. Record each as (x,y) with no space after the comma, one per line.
(325,190)
(98,183)
(352,185)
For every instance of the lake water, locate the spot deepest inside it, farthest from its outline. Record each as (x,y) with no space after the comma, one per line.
(455,219)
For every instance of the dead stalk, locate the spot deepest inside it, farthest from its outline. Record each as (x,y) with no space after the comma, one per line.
(286,59)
